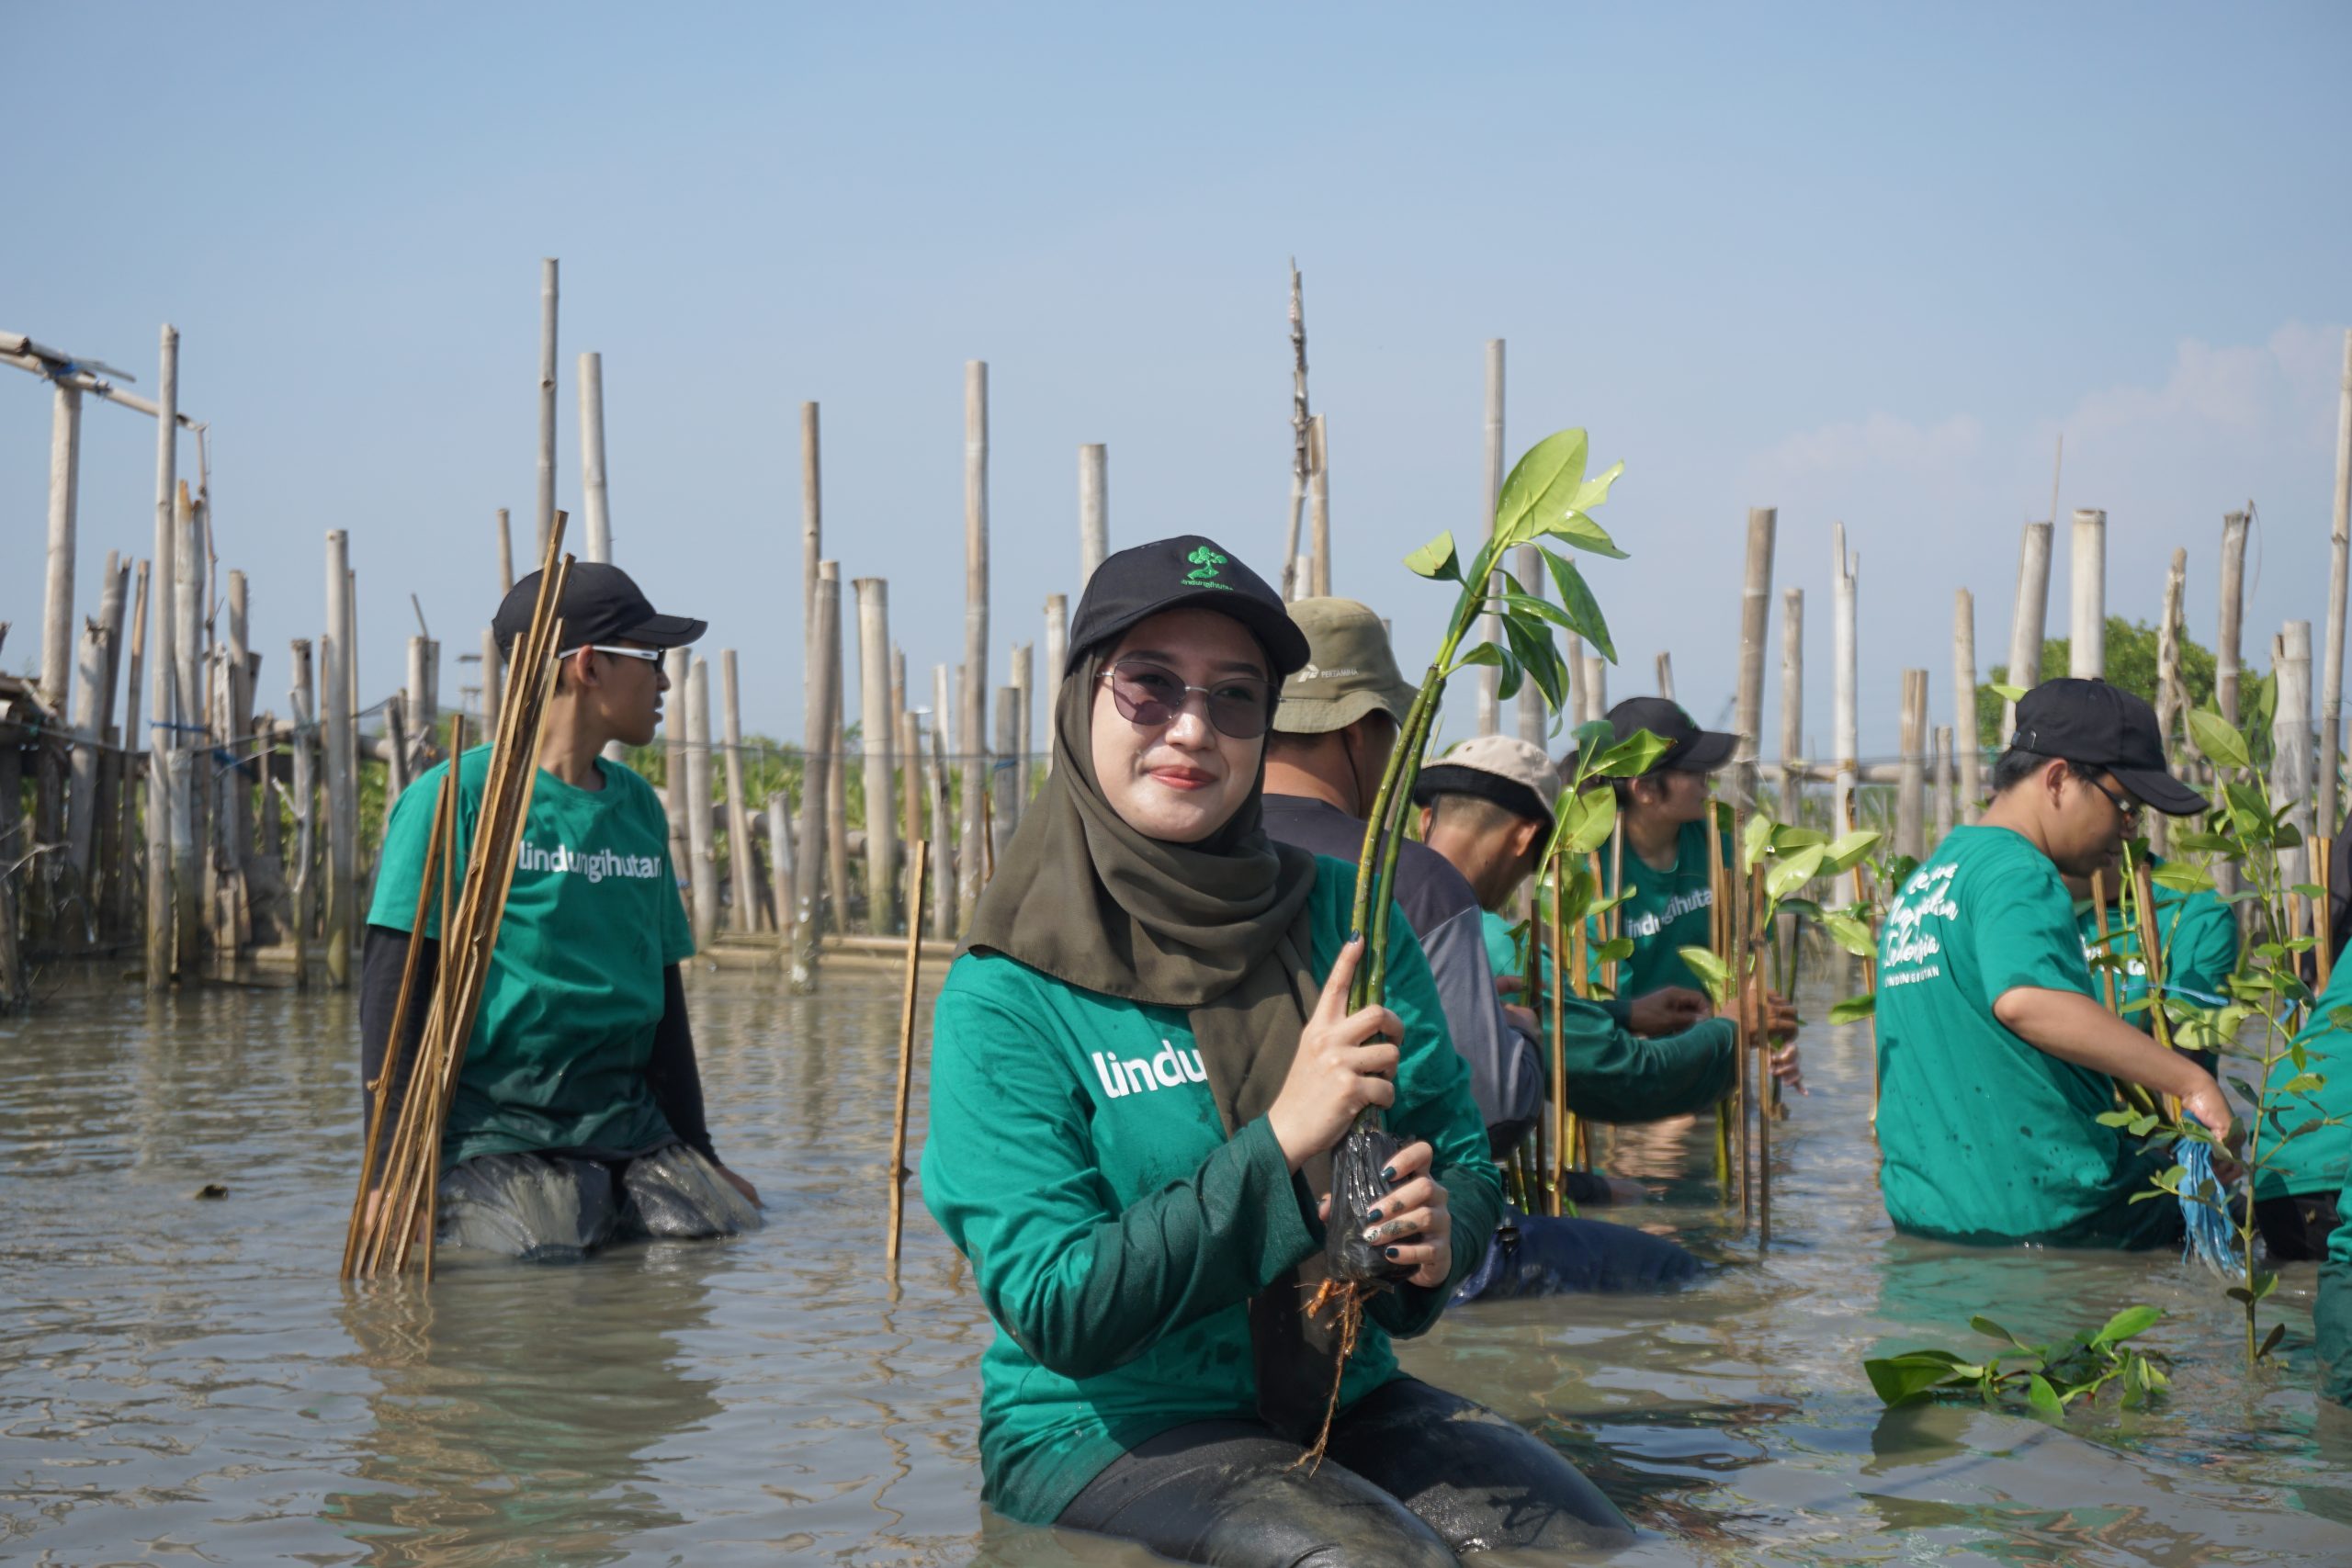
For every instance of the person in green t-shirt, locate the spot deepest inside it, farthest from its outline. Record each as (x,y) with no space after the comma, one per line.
(2332,1312)
(2196,936)
(1141,1065)
(1995,1060)
(2295,1202)
(578,1114)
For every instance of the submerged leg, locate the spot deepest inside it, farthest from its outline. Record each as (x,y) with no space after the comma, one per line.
(1226,1492)
(1554,1257)
(540,1208)
(677,1194)
(1482,1482)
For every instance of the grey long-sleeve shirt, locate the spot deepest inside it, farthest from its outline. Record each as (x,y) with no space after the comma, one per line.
(1505,1078)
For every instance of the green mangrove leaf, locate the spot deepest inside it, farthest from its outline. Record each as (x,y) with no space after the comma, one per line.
(1793,873)
(1899,1380)
(1848,850)
(1591,817)
(2007,693)
(1850,932)
(2044,1399)
(1755,840)
(1577,602)
(1586,535)
(2277,1332)
(1539,657)
(1712,973)
(2183,877)
(1543,486)
(1616,949)
(2218,739)
(1992,1330)
(1854,1009)
(2131,1320)
(1438,559)
(1629,758)
(1787,838)
(1595,492)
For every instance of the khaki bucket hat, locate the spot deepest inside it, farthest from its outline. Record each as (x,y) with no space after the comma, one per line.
(1349,670)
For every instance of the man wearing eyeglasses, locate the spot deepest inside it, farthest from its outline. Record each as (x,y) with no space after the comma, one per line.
(1995,1059)
(578,1116)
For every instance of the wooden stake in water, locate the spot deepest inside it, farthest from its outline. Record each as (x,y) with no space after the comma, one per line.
(2087,589)
(2323,908)
(1965,742)
(906,1047)
(1563,1134)
(2339,556)
(1755,623)
(2027,620)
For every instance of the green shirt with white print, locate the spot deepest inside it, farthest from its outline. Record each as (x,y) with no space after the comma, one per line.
(1116,1234)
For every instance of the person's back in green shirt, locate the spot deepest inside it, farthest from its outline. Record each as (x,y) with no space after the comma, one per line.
(1988,1139)
(2195,934)
(2314,1163)
(2332,1314)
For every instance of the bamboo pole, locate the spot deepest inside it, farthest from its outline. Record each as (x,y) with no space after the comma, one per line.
(544,515)
(190,754)
(1596,686)
(1844,728)
(1735,884)
(676,667)
(1911,793)
(742,878)
(1754,624)
(1024,727)
(236,835)
(1792,700)
(137,745)
(2339,560)
(2290,732)
(1665,679)
(910,806)
(163,738)
(899,1172)
(701,833)
(1943,782)
(2098,921)
(341,862)
(595,501)
(1965,737)
(2171,696)
(1093,510)
(2323,907)
(1003,810)
(1057,655)
(2087,589)
(2027,620)
(89,725)
(2228,664)
(1318,505)
(65,484)
(1301,457)
(493,680)
(873,693)
(303,885)
(108,860)
(942,908)
(837,776)
(974,738)
(1555,998)
(809,892)
(505,556)
(782,871)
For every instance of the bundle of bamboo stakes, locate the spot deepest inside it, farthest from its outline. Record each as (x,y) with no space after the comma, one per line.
(392,1210)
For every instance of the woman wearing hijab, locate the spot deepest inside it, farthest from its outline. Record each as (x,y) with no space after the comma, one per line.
(1141,1065)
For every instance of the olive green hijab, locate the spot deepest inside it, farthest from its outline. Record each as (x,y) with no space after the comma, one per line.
(1218,928)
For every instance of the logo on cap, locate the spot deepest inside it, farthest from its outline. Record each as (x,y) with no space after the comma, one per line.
(1204,564)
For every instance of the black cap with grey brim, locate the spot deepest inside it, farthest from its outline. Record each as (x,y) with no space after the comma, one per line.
(600,603)
(2099,726)
(1689,749)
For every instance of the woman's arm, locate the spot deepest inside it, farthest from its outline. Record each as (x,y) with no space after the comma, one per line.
(1009,1171)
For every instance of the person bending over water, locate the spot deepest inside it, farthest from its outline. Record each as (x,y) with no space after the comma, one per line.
(1994,1059)
(1140,1067)
(578,1117)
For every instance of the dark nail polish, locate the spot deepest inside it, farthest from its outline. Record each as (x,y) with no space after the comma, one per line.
(1388,1174)
(1355,936)
(1373,1216)
(1388,1251)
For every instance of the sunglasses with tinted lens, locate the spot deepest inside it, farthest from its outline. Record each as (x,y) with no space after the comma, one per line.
(1151,694)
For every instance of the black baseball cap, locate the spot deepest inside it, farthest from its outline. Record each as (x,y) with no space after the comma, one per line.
(2100,726)
(600,603)
(1168,574)
(1690,750)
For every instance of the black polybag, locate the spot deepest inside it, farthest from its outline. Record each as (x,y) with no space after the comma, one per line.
(1357,1188)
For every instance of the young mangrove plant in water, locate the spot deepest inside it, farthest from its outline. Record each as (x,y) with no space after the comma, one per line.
(1548,497)
(2045,1378)
(2256,1027)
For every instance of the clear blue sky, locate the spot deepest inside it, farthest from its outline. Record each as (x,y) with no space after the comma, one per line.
(1860,263)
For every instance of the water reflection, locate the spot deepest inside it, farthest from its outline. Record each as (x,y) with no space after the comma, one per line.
(523,1403)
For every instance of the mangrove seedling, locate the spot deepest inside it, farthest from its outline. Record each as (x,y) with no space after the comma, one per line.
(2045,1378)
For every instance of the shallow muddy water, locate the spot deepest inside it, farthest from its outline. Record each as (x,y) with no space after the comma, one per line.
(184,1379)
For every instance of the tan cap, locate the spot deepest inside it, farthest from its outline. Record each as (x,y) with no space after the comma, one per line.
(1349,672)
(1501,768)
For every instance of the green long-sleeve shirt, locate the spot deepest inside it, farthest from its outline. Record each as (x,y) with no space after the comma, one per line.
(1116,1234)
(1614,1075)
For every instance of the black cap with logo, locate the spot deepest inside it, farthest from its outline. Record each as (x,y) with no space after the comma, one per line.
(2099,726)
(1166,574)
(600,604)
(1690,750)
